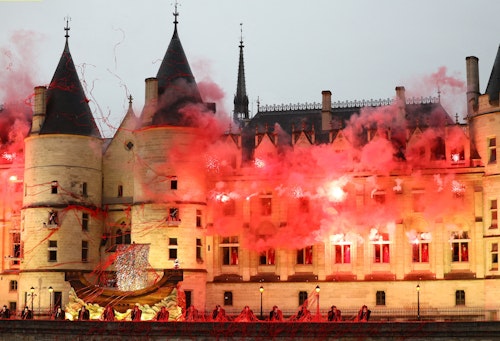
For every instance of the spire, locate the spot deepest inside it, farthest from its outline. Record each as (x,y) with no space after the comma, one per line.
(241,99)
(68,111)
(493,87)
(175,78)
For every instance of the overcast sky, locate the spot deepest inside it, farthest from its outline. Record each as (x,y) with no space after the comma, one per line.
(358,49)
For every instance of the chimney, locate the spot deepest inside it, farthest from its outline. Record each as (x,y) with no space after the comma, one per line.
(326,110)
(472,64)
(150,101)
(401,101)
(39,109)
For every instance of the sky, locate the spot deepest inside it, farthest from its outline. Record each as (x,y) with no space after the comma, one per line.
(358,49)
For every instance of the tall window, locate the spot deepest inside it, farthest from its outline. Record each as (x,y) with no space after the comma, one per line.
(381,249)
(304,205)
(494,256)
(302,297)
(228,298)
(229,207)
(230,249)
(198,218)
(85,221)
(85,251)
(460,246)
(172,248)
(13,285)
(305,255)
(198,249)
(418,202)
(492,150)
(52,250)
(380,298)
(53,187)
(173,184)
(120,191)
(421,247)
(460,297)
(266,206)
(494,214)
(84,189)
(119,237)
(342,253)
(267,257)
(16,247)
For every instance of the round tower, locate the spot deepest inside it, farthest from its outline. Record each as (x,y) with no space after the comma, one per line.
(61,225)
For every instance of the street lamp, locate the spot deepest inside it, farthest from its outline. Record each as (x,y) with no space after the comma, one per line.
(51,290)
(261,289)
(32,294)
(317,303)
(418,302)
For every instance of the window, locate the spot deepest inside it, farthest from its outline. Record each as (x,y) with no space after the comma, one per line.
(457,155)
(380,298)
(460,297)
(228,298)
(198,218)
(230,248)
(381,249)
(172,248)
(13,285)
(266,207)
(342,253)
(418,202)
(494,256)
(127,238)
(438,150)
(53,219)
(120,191)
(460,246)
(267,257)
(302,297)
(85,251)
(173,214)
(52,250)
(173,184)
(305,255)
(494,214)
(53,187)
(119,237)
(84,189)
(85,221)
(198,249)
(229,207)
(492,150)
(304,205)
(379,197)
(420,252)
(16,247)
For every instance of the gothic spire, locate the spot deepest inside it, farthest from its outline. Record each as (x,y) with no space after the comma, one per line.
(240,113)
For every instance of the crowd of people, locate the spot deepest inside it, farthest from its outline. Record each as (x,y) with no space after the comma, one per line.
(192,315)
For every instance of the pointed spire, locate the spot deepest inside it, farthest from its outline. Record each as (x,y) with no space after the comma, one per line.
(241,99)
(493,87)
(175,77)
(68,111)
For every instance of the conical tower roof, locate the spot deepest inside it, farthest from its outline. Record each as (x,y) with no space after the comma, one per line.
(493,87)
(68,111)
(176,84)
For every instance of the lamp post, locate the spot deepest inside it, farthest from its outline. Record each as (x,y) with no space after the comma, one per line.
(51,290)
(317,303)
(418,302)
(32,294)
(261,289)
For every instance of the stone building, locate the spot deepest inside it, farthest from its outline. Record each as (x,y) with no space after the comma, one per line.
(385,203)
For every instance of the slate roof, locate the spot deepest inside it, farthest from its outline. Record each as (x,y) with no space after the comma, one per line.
(176,84)
(68,111)
(493,87)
